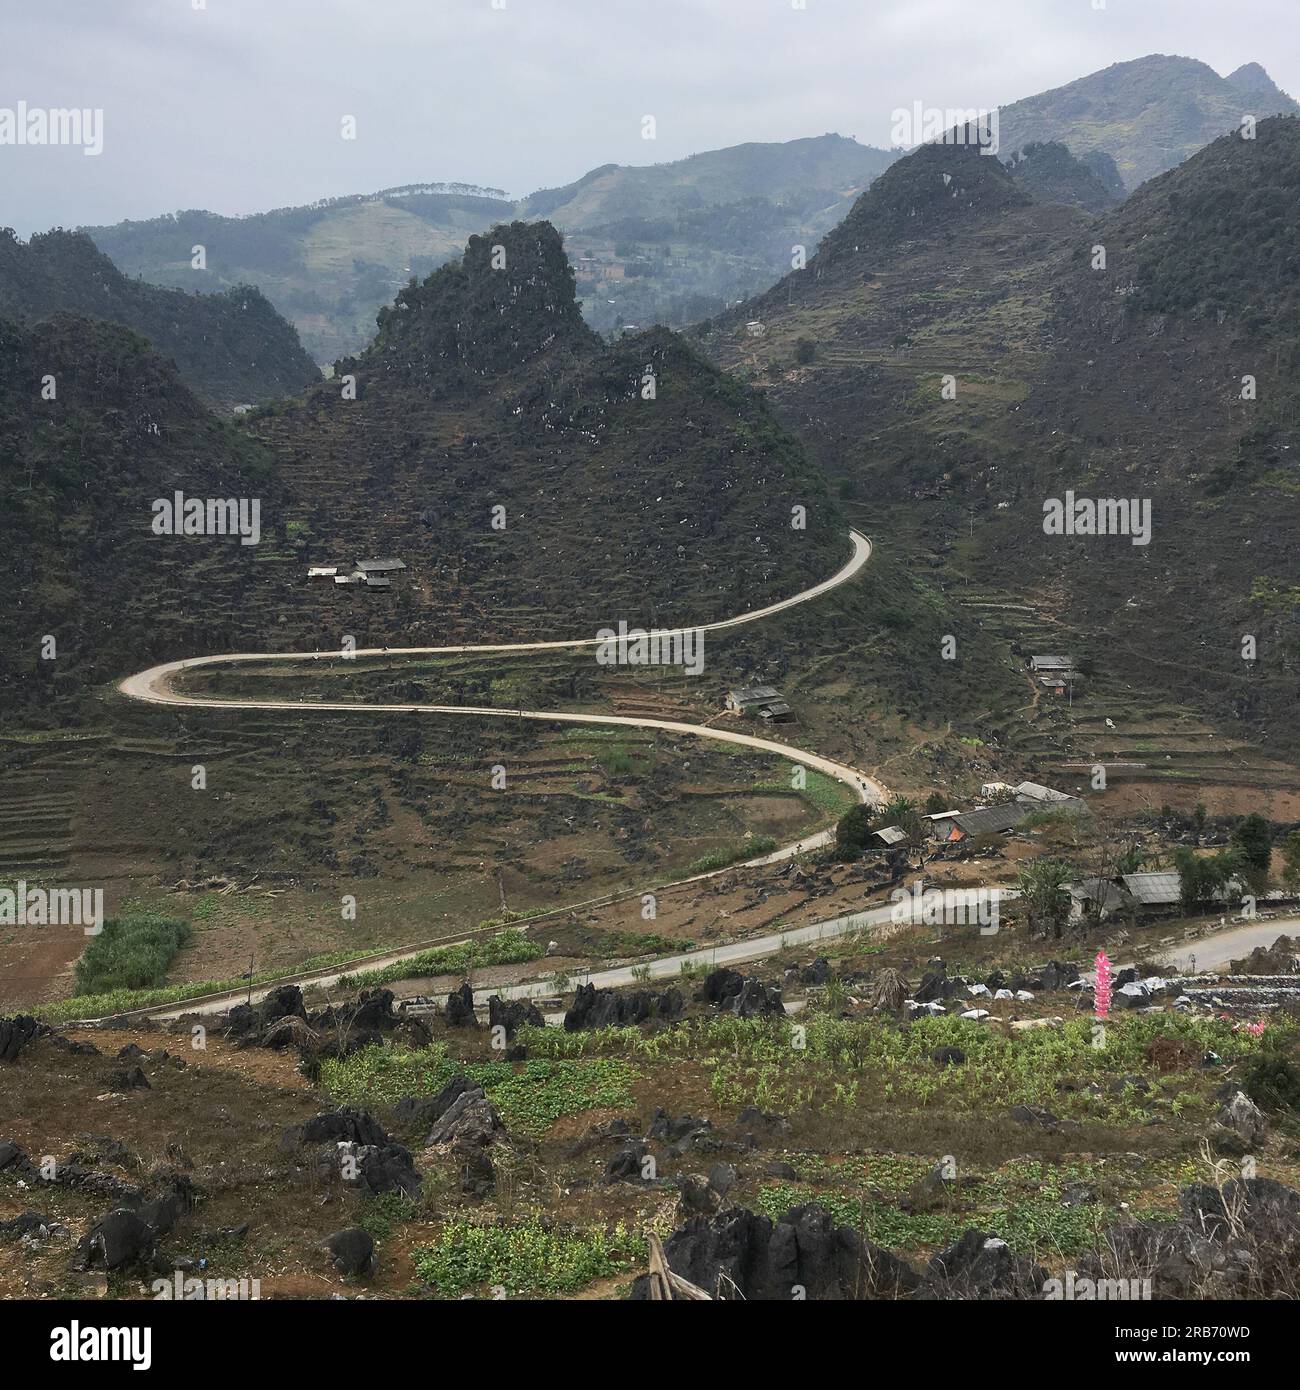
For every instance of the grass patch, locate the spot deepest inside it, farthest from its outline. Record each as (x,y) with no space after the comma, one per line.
(130,953)
(732,854)
(527,1257)
(507,948)
(530,1096)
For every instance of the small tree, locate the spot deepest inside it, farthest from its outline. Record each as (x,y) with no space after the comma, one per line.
(1291,860)
(804,351)
(902,812)
(1254,839)
(1042,888)
(1202,877)
(853,830)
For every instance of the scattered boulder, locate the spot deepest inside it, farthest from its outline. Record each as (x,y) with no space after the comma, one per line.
(468,1122)
(818,973)
(762,1121)
(129,1079)
(722,1178)
(935,985)
(421,1114)
(1034,1115)
(1054,975)
(697,1197)
(627,1164)
(927,1192)
(344,1125)
(378,1168)
(740,1254)
(30,1227)
(742,995)
(119,1239)
(412,1032)
(1244,1118)
(513,1015)
(459,1012)
(606,1008)
(280,1002)
(352,1252)
(478,1174)
(15,1034)
(1281,958)
(980,1265)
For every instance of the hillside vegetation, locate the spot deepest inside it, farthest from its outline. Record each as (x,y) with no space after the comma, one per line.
(484,389)
(1122,382)
(231,348)
(1149,114)
(660,243)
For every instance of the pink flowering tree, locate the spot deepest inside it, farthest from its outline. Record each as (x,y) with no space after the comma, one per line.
(1101,990)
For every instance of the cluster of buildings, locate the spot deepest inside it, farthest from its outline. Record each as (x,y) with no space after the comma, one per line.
(1054,673)
(372,574)
(1012,805)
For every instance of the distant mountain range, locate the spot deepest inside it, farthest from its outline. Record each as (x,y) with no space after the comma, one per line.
(1148,115)
(677,242)
(664,243)
(232,348)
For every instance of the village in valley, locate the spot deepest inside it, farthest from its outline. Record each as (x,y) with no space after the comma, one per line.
(634,786)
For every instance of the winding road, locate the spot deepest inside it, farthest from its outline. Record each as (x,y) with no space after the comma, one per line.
(154,686)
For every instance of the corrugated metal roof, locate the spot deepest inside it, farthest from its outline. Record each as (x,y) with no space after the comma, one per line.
(1035,791)
(1051,663)
(1153,889)
(778,709)
(755,694)
(890,834)
(381,566)
(991,818)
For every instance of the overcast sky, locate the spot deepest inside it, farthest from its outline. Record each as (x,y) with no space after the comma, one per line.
(237,105)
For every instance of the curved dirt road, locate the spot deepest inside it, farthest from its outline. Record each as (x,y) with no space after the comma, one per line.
(154,687)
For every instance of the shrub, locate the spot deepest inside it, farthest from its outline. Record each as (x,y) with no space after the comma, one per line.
(1273,1083)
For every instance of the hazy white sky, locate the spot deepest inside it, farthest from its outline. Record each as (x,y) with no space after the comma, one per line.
(236,105)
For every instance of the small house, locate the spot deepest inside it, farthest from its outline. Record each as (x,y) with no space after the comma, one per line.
(1098,898)
(368,567)
(890,835)
(322,572)
(762,700)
